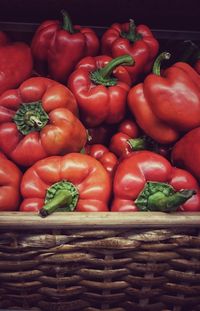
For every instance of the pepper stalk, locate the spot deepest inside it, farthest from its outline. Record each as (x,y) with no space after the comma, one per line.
(104,76)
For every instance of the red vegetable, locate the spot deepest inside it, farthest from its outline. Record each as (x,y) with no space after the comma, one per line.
(15,63)
(103,154)
(167,106)
(147,181)
(74,181)
(186,152)
(101,96)
(57,47)
(129,138)
(138,42)
(10,177)
(38,120)
(120,143)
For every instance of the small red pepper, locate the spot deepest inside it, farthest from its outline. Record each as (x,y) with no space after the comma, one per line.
(10,178)
(120,143)
(39,119)
(167,106)
(186,152)
(102,153)
(130,138)
(101,89)
(146,181)
(16,63)
(138,42)
(57,47)
(65,183)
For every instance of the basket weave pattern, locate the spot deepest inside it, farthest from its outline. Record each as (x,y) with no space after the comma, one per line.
(100,269)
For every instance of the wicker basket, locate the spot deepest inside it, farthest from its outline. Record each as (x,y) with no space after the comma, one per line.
(100,261)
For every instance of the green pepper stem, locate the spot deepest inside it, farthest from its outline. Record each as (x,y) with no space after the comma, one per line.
(157,63)
(33,120)
(67,24)
(132,36)
(132,30)
(62,197)
(159,201)
(103,75)
(137,143)
(121,60)
(30,117)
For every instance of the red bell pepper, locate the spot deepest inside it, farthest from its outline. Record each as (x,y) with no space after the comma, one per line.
(57,47)
(16,63)
(39,119)
(186,152)
(101,92)
(74,181)
(126,139)
(167,106)
(138,42)
(10,178)
(102,153)
(130,138)
(146,181)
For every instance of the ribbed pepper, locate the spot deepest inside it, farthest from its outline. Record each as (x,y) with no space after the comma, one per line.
(58,46)
(137,41)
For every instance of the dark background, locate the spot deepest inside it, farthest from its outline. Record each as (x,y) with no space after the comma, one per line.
(163,14)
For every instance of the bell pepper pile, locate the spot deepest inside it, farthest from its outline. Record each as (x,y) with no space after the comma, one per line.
(93,123)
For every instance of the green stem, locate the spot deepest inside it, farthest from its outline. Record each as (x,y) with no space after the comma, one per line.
(67,24)
(30,117)
(157,196)
(159,201)
(103,75)
(137,143)
(33,121)
(121,60)
(62,197)
(159,59)
(132,36)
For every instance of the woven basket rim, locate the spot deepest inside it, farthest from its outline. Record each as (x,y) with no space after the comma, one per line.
(99,219)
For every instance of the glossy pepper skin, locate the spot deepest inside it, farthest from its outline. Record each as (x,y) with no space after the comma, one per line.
(186,152)
(101,86)
(120,143)
(79,183)
(57,47)
(10,178)
(168,105)
(146,170)
(138,42)
(16,63)
(39,119)
(130,138)
(102,154)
